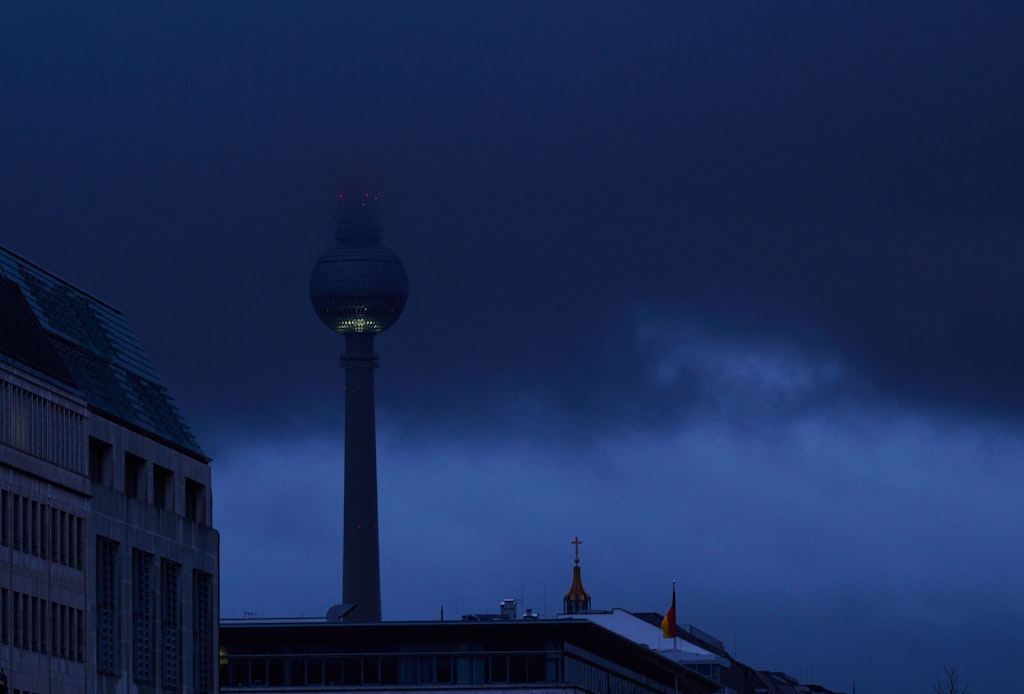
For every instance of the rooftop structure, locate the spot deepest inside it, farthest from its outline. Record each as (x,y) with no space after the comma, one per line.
(530,655)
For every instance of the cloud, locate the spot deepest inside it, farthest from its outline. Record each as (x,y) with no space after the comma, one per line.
(733,296)
(852,508)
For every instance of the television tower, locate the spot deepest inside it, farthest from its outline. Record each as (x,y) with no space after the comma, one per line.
(359,288)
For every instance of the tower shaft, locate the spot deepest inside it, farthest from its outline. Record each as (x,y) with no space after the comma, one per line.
(361,558)
(358,289)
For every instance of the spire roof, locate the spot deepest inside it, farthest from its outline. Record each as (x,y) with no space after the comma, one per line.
(577,599)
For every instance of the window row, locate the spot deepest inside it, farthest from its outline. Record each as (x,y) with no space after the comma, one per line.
(156,636)
(376,670)
(202,632)
(138,472)
(43,531)
(41,427)
(38,625)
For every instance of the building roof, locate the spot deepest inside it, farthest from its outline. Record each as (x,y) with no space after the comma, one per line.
(768,682)
(687,632)
(637,627)
(23,339)
(66,334)
(297,637)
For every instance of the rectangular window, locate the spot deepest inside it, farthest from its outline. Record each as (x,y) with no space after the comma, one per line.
(72,548)
(170,631)
(80,543)
(16,618)
(63,631)
(54,628)
(26,525)
(63,537)
(107,608)
(80,634)
(72,623)
(35,526)
(202,632)
(54,534)
(16,521)
(74,619)
(4,601)
(142,616)
(195,501)
(134,475)
(99,457)
(33,629)
(43,614)
(26,619)
(163,488)
(44,531)
(5,502)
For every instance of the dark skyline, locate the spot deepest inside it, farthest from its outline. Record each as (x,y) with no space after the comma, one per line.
(730,291)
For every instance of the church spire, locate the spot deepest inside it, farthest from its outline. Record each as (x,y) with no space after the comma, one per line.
(577,599)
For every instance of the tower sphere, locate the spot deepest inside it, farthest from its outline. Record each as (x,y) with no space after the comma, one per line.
(358,285)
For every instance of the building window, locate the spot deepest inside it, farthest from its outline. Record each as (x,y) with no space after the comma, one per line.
(71,624)
(15,516)
(99,460)
(54,629)
(54,534)
(72,548)
(195,500)
(170,628)
(42,619)
(44,531)
(106,608)
(33,627)
(64,631)
(5,505)
(202,632)
(26,524)
(163,488)
(142,616)
(33,528)
(63,537)
(80,542)
(26,616)
(134,475)
(80,635)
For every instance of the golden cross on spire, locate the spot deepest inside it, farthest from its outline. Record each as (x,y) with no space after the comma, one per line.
(577,542)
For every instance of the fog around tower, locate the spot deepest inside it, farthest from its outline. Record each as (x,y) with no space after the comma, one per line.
(730,292)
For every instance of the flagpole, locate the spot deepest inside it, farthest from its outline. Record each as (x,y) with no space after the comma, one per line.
(675,637)
(668,622)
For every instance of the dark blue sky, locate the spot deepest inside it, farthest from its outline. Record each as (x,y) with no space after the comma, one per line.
(730,291)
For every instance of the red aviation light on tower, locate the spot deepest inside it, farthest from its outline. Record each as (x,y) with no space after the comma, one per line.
(360,215)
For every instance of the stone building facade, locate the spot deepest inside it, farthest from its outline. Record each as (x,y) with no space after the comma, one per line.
(109,579)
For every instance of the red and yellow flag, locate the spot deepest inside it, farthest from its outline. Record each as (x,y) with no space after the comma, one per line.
(668,622)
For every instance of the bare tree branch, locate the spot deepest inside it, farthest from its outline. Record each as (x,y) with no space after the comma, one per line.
(949,681)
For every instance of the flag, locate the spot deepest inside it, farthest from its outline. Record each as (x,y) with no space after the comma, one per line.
(668,622)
